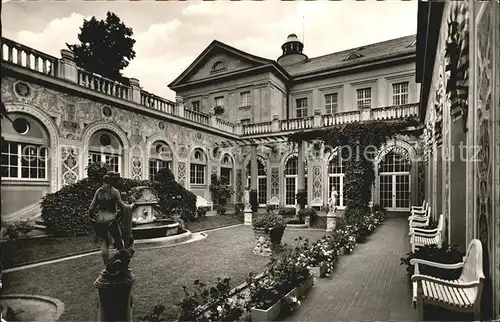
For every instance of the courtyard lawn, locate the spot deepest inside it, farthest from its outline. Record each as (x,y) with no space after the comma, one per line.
(160,272)
(32,250)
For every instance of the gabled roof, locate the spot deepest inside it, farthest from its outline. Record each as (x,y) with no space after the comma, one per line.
(216,46)
(391,47)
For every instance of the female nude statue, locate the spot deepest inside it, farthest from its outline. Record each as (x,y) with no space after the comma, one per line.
(106,218)
(332,202)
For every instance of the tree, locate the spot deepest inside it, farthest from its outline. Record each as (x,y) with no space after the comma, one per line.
(106,47)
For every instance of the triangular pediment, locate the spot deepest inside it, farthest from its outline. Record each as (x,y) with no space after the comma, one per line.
(216,60)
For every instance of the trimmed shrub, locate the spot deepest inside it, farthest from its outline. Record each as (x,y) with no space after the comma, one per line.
(65,212)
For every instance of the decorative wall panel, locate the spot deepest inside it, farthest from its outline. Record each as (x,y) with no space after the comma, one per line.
(137,167)
(317,183)
(181,173)
(484,173)
(275,182)
(70,168)
(239,185)
(421,182)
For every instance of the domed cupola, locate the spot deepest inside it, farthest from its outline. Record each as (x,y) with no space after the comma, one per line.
(292,51)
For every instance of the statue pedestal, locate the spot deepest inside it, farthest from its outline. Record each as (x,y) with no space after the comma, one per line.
(115,296)
(331,222)
(248,216)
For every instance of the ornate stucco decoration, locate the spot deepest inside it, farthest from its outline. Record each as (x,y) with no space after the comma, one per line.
(438,111)
(457,60)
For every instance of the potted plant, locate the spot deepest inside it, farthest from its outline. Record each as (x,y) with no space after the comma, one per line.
(271,226)
(447,254)
(272,209)
(301,199)
(221,192)
(218,110)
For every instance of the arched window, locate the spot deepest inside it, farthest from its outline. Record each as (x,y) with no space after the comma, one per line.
(291,180)
(160,157)
(261,180)
(106,147)
(336,168)
(219,66)
(226,169)
(394,180)
(198,167)
(24,154)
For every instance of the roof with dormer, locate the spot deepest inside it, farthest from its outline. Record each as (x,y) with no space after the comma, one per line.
(385,49)
(355,57)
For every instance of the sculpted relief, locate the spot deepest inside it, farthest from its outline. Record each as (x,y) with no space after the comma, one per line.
(73,114)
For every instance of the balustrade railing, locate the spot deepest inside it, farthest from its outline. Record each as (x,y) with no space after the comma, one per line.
(395,112)
(35,60)
(197,117)
(297,124)
(257,128)
(225,125)
(27,57)
(102,84)
(157,103)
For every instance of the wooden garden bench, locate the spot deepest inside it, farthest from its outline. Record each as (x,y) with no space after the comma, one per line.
(461,295)
(423,237)
(420,221)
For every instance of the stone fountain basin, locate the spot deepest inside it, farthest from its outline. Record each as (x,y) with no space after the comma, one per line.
(155,229)
(33,307)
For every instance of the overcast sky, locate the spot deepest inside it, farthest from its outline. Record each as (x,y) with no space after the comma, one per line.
(170,35)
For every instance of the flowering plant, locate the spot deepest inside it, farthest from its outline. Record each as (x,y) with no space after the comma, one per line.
(268,221)
(284,272)
(211,304)
(324,252)
(290,303)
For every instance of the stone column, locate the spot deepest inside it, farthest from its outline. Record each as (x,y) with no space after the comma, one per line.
(115,296)
(301,188)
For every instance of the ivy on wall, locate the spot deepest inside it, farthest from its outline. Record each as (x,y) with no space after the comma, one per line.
(362,140)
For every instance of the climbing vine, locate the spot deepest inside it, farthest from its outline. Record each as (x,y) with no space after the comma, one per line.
(358,143)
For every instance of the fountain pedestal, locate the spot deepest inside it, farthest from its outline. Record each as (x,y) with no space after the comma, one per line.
(115,296)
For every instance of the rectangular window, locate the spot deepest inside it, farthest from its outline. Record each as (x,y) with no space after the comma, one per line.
(219,101)
(23,161)
(156,165)
(245,99)
(245,121)
(111,160)
(400,93)
(195,106)
(331,103)
(197,174)
(301,107)
(364,97)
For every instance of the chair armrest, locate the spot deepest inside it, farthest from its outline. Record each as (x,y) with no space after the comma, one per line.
(416,261)
(418,219)
(418,211)
(419,277)
(419,208)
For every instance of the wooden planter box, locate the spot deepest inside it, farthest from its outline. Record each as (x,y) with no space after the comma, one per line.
(259,315)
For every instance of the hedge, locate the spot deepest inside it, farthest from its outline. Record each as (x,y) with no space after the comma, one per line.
(65,212)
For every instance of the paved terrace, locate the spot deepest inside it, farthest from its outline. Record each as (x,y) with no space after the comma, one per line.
(368,285)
